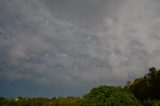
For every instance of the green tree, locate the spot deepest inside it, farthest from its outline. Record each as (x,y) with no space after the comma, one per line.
(109,96)
(147,86)
(141,89)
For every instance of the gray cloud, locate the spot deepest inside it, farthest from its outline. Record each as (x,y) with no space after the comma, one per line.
(78,42)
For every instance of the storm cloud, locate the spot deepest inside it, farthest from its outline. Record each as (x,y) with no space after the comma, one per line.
(78,42)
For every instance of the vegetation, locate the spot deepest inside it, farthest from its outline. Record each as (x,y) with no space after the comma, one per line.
(40,101)
(148,86)
(144,91)
(109,96)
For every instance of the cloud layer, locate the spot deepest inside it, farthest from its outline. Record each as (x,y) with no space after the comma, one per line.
(78,42)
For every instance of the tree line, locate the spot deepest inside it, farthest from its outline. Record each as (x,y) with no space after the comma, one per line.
(144,91)
(40,101)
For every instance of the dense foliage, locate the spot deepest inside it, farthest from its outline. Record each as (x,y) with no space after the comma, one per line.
(109,96)
(147,88)
(144,91)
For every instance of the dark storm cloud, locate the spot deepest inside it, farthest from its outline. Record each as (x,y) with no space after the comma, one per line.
(59,42)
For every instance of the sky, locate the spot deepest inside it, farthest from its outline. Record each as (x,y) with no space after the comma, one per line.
(65,47)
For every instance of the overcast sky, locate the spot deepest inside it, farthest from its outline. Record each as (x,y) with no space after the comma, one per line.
(65,47)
